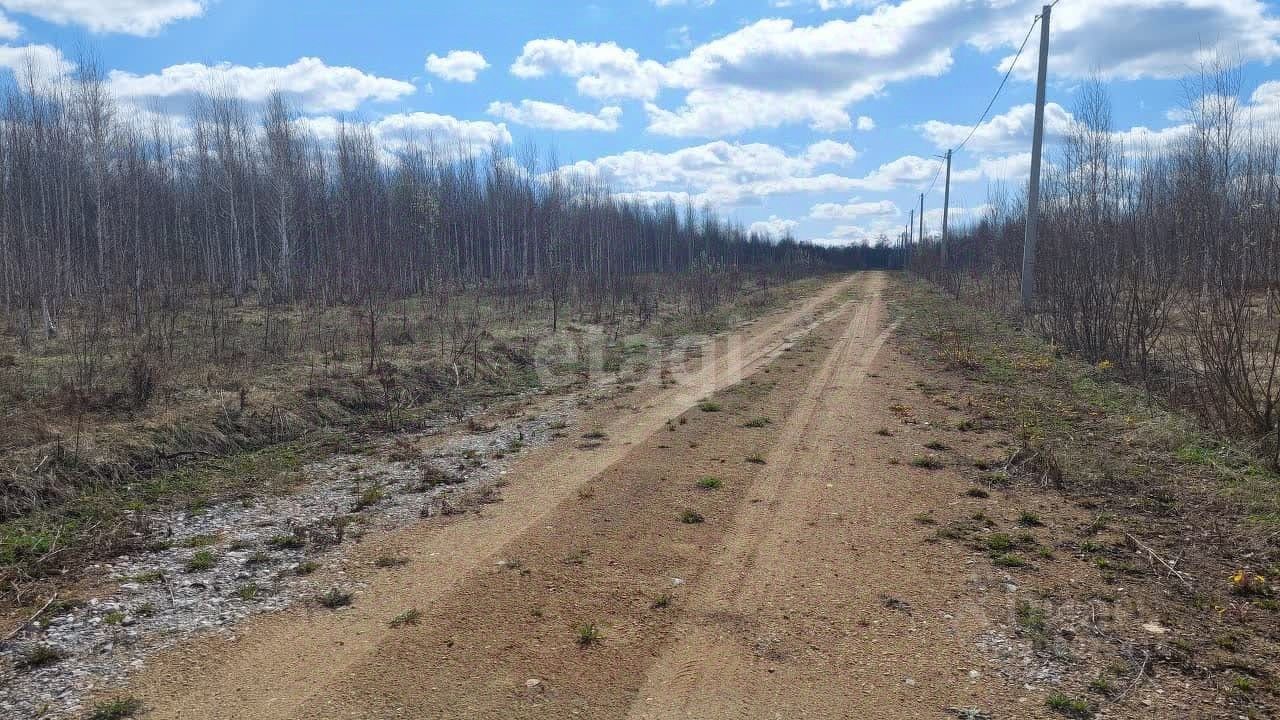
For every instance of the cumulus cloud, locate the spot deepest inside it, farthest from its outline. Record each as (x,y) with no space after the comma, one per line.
(773,72)
(130,17)
(551,116)
(774,227)
(1007,131)
(315,86)
(1130,39)
(396,131)
(830,152)
(602,70)
(854,209)
(41,63)
(458,66)
(8,28)
(722,173)
(866,124)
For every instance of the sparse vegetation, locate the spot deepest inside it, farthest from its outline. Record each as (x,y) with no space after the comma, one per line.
(928,462)
(334,598)
(588,634)
(710,483)
(116,709)
(37,656)
(201,561)
(691,517)
(409,617)
(292,541)
(1069,706)
(709,406)
(758,422)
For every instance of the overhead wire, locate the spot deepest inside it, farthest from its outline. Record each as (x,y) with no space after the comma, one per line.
(1003,81)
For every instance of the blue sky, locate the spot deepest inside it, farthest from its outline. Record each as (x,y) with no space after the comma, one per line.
(818,117)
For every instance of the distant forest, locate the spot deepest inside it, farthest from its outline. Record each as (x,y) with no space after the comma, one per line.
(102,209)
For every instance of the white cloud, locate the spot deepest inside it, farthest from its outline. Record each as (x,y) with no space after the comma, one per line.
(8,28)
(315,86)
(734,174)
(397,130)
(906,170)
(41,63)
(551,116)
(1008,131)
(458,66)
(830,152)
(956,217)
(131,17)
(866,124)
(1012,168)
(774,227)
(772,72)
(854,209)
(1130,39)
(675,3)
(602,70)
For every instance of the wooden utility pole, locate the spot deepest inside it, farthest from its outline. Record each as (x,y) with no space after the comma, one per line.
(946,208)
(1033,194)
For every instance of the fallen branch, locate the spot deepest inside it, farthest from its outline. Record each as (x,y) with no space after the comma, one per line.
(30,620)
(1182,577)
(1137,680)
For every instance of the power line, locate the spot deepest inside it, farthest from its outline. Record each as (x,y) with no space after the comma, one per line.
(934,181)
(1002,81)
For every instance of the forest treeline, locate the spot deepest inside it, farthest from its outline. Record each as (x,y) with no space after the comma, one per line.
(1161,261)
(102,210)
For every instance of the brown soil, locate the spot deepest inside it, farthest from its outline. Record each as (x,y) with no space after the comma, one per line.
(810,589)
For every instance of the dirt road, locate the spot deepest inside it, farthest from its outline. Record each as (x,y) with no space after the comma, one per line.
(609,584)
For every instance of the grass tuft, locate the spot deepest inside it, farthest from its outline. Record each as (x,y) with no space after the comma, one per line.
(406,618)
(710,483)
(201,561)
(588,634)
(37,656)
(1068,706)
(116,708)
(928,462)
(1030,519)
(691,517)
(334,598)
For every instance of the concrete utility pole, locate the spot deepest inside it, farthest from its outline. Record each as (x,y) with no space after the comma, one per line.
(920,235)
(911,226)
(1033,194)
(946,208)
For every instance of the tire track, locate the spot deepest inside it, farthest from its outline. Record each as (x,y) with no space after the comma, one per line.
(281,664)
(676,680)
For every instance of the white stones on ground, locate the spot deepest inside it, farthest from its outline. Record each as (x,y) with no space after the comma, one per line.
(157,615)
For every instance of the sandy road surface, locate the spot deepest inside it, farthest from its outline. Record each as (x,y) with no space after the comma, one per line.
(806,591)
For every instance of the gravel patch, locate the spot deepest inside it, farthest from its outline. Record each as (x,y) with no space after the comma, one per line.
(204,572)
